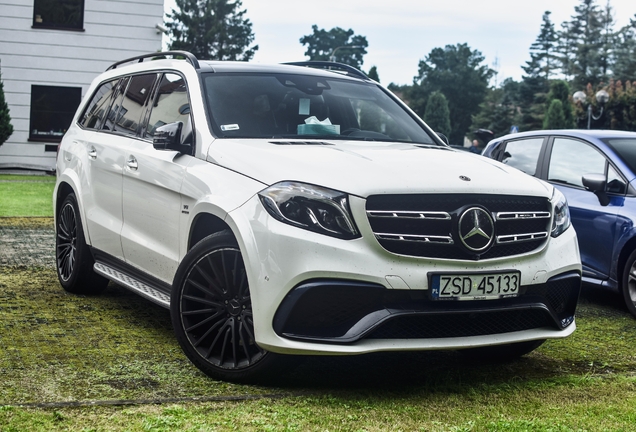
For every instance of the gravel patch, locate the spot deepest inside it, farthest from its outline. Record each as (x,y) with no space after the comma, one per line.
(26,242)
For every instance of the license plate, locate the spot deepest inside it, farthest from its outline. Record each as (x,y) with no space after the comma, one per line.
(486,286)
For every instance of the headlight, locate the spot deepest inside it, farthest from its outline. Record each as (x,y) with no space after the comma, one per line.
(561,220)
(313,208)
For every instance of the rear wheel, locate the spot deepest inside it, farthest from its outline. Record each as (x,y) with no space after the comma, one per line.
(629,283)
(73,258)
(503,353)
(211,311)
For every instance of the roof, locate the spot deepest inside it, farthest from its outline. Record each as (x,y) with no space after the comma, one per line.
(581,133)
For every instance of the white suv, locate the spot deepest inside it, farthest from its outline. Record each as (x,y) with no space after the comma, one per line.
(303,209)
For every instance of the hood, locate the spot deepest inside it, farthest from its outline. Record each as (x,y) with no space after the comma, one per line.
(365,168)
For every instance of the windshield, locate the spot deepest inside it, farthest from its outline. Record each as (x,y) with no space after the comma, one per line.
(626,150)
(302,106)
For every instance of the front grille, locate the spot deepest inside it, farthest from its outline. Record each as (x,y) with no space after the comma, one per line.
(427,225)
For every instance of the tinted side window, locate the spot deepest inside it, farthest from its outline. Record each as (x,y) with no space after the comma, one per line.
(615,183)
(96,109)
(129,112)
(113,112)
(571,160)
(171,105)
(523,154)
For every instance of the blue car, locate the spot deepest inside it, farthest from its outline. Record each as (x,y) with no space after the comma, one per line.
(596,171)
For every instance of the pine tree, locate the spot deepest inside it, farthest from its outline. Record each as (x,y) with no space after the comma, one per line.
(437,115)
(608,40)
(566,49)
(554,118)
(544,47)
(373,74)
(5,119)
(586,26)
(500,109)
(624,54)
(211,29)
(560,90)
(532,94)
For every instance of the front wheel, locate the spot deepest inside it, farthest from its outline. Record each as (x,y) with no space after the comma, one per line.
(629,283)
(211,311)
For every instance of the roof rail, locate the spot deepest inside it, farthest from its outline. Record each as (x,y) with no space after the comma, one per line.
(190,58)
(319,64)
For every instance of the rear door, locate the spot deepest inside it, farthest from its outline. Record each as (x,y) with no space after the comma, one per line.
(104,166)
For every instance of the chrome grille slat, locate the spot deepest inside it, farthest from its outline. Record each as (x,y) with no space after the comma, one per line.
(409,214)
(515,238)
(521,215)
(415,238)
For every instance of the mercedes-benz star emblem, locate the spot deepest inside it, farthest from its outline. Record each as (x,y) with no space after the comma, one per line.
(476,229)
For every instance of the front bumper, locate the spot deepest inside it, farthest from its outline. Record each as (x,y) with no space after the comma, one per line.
(313,294)
(337,311)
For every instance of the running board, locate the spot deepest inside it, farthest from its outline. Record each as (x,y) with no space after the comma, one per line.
(135,285)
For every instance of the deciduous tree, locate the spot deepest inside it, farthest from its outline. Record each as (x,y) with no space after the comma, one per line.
(459,73)
(343,45)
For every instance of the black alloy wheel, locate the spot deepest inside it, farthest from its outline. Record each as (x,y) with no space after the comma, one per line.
(211,312)
(629,284)
(73,257)
(66,238)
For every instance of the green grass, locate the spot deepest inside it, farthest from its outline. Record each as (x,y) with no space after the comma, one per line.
(115,357)
(26,195)
(56,348)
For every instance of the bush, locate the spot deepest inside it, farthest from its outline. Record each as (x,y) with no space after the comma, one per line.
(619,113)
(5,120)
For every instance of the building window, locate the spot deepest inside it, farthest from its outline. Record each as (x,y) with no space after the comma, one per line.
(52,111)
(58,14)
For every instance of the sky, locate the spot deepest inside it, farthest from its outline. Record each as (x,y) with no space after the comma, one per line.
(400,33)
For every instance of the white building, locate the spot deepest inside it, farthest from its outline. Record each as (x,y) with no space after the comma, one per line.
(50,51)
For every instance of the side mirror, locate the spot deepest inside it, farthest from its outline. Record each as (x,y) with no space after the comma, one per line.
(443,137)
(168,137)
(596,183)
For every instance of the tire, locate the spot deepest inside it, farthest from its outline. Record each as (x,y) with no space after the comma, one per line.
(73,258)
(211,313)
(629,283)
(502,353)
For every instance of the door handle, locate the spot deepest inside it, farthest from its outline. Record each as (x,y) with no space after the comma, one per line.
(131,162)
(92,153)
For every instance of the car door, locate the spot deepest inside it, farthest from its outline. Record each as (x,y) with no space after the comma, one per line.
(568,160)
(152,183)
(104,167)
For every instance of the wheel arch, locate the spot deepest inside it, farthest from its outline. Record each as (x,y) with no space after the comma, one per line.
(203,225)
(626,251)
(67,184)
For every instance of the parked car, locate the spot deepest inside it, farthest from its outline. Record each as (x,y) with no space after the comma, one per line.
(596,171)
(291,209)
